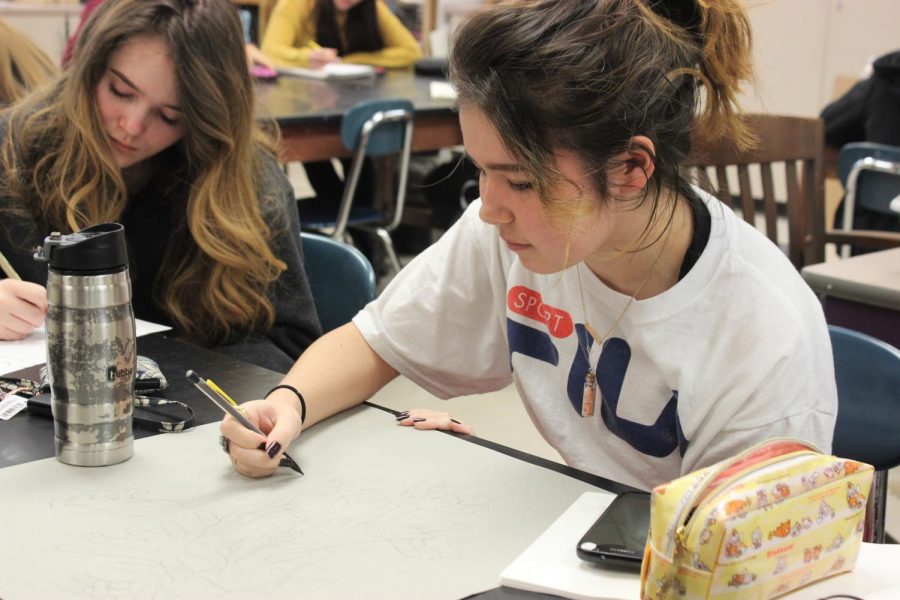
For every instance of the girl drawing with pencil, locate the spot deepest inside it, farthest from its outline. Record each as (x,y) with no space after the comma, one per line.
(152,126)
(648,330)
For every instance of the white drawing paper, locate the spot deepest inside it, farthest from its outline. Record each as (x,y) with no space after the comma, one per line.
(383,511)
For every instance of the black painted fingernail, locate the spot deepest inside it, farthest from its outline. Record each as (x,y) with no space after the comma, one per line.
(455,421)
(273,449)
(418,420)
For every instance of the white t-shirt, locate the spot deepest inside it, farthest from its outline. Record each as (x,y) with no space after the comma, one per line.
(736,352)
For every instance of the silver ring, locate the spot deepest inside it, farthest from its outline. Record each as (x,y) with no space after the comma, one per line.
(223,442)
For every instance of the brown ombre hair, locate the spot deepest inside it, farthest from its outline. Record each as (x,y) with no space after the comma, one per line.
(219,265)
(588,76)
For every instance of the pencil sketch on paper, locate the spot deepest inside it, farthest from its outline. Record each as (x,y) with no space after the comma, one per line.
(139,543)
(393,512)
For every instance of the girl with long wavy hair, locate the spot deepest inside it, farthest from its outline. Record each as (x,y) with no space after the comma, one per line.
(152,126)
(648,329)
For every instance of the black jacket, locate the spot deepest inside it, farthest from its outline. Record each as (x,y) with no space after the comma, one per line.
(868,112)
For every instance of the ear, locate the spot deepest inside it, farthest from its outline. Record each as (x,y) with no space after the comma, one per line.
(635,168)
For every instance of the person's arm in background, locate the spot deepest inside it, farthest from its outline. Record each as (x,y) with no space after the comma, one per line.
(289,33)
(845,118)
(255,56)
(400,47)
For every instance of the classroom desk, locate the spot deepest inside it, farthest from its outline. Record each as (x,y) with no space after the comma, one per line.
(861,293)
(382,512)
(27,438)
(309,112)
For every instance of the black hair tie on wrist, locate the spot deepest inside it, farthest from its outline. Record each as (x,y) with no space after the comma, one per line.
(299,395)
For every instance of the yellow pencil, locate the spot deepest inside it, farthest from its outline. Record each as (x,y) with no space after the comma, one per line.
(210,383)
(312,44)
(8,268)
(228,398)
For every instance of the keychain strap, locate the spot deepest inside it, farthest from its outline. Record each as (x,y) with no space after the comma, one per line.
(150,413)
(167,422)
(21,387)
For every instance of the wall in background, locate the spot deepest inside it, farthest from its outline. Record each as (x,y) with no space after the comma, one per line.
(49,31)
(803,46)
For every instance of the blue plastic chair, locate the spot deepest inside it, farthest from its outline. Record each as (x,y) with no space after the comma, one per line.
(870,174)
(867,371)
(372,128)
(341,277)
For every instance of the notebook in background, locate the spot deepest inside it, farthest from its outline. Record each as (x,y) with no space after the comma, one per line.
(336,70)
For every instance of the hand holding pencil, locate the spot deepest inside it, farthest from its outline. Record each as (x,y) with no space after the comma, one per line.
(253,431)
(319,56)
(23,305)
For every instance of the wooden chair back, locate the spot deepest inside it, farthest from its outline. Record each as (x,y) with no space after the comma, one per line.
(780,178)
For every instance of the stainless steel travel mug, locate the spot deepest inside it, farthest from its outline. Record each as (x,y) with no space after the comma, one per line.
(90,345)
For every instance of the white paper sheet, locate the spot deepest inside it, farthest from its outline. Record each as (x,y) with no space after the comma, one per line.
(441,90)
(551,565)
(383,512)
(330,71)
(32,350)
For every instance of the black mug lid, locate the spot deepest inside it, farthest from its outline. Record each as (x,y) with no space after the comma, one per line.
(97,248)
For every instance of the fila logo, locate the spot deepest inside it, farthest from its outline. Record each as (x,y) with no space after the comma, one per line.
(658,439)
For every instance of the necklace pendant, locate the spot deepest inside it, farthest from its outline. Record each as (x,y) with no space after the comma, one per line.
(589,394)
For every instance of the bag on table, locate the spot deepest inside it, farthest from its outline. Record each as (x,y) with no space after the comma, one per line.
(776,517)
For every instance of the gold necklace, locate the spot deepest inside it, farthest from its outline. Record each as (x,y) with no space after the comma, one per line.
(589,394)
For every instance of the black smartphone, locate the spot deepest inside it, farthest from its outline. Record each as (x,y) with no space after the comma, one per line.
(618,537)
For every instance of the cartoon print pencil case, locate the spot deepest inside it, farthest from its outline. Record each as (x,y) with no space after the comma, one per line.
(770,520)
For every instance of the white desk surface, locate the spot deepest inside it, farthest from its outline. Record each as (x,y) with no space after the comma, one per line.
(869,278)
(383,512)
(550,565)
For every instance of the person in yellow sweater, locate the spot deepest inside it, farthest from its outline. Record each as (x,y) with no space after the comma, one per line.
(312,33)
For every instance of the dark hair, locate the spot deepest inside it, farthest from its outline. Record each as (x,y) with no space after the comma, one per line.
(361,28)
(589,75)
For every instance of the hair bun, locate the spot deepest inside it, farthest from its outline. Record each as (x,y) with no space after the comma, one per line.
(684,13)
